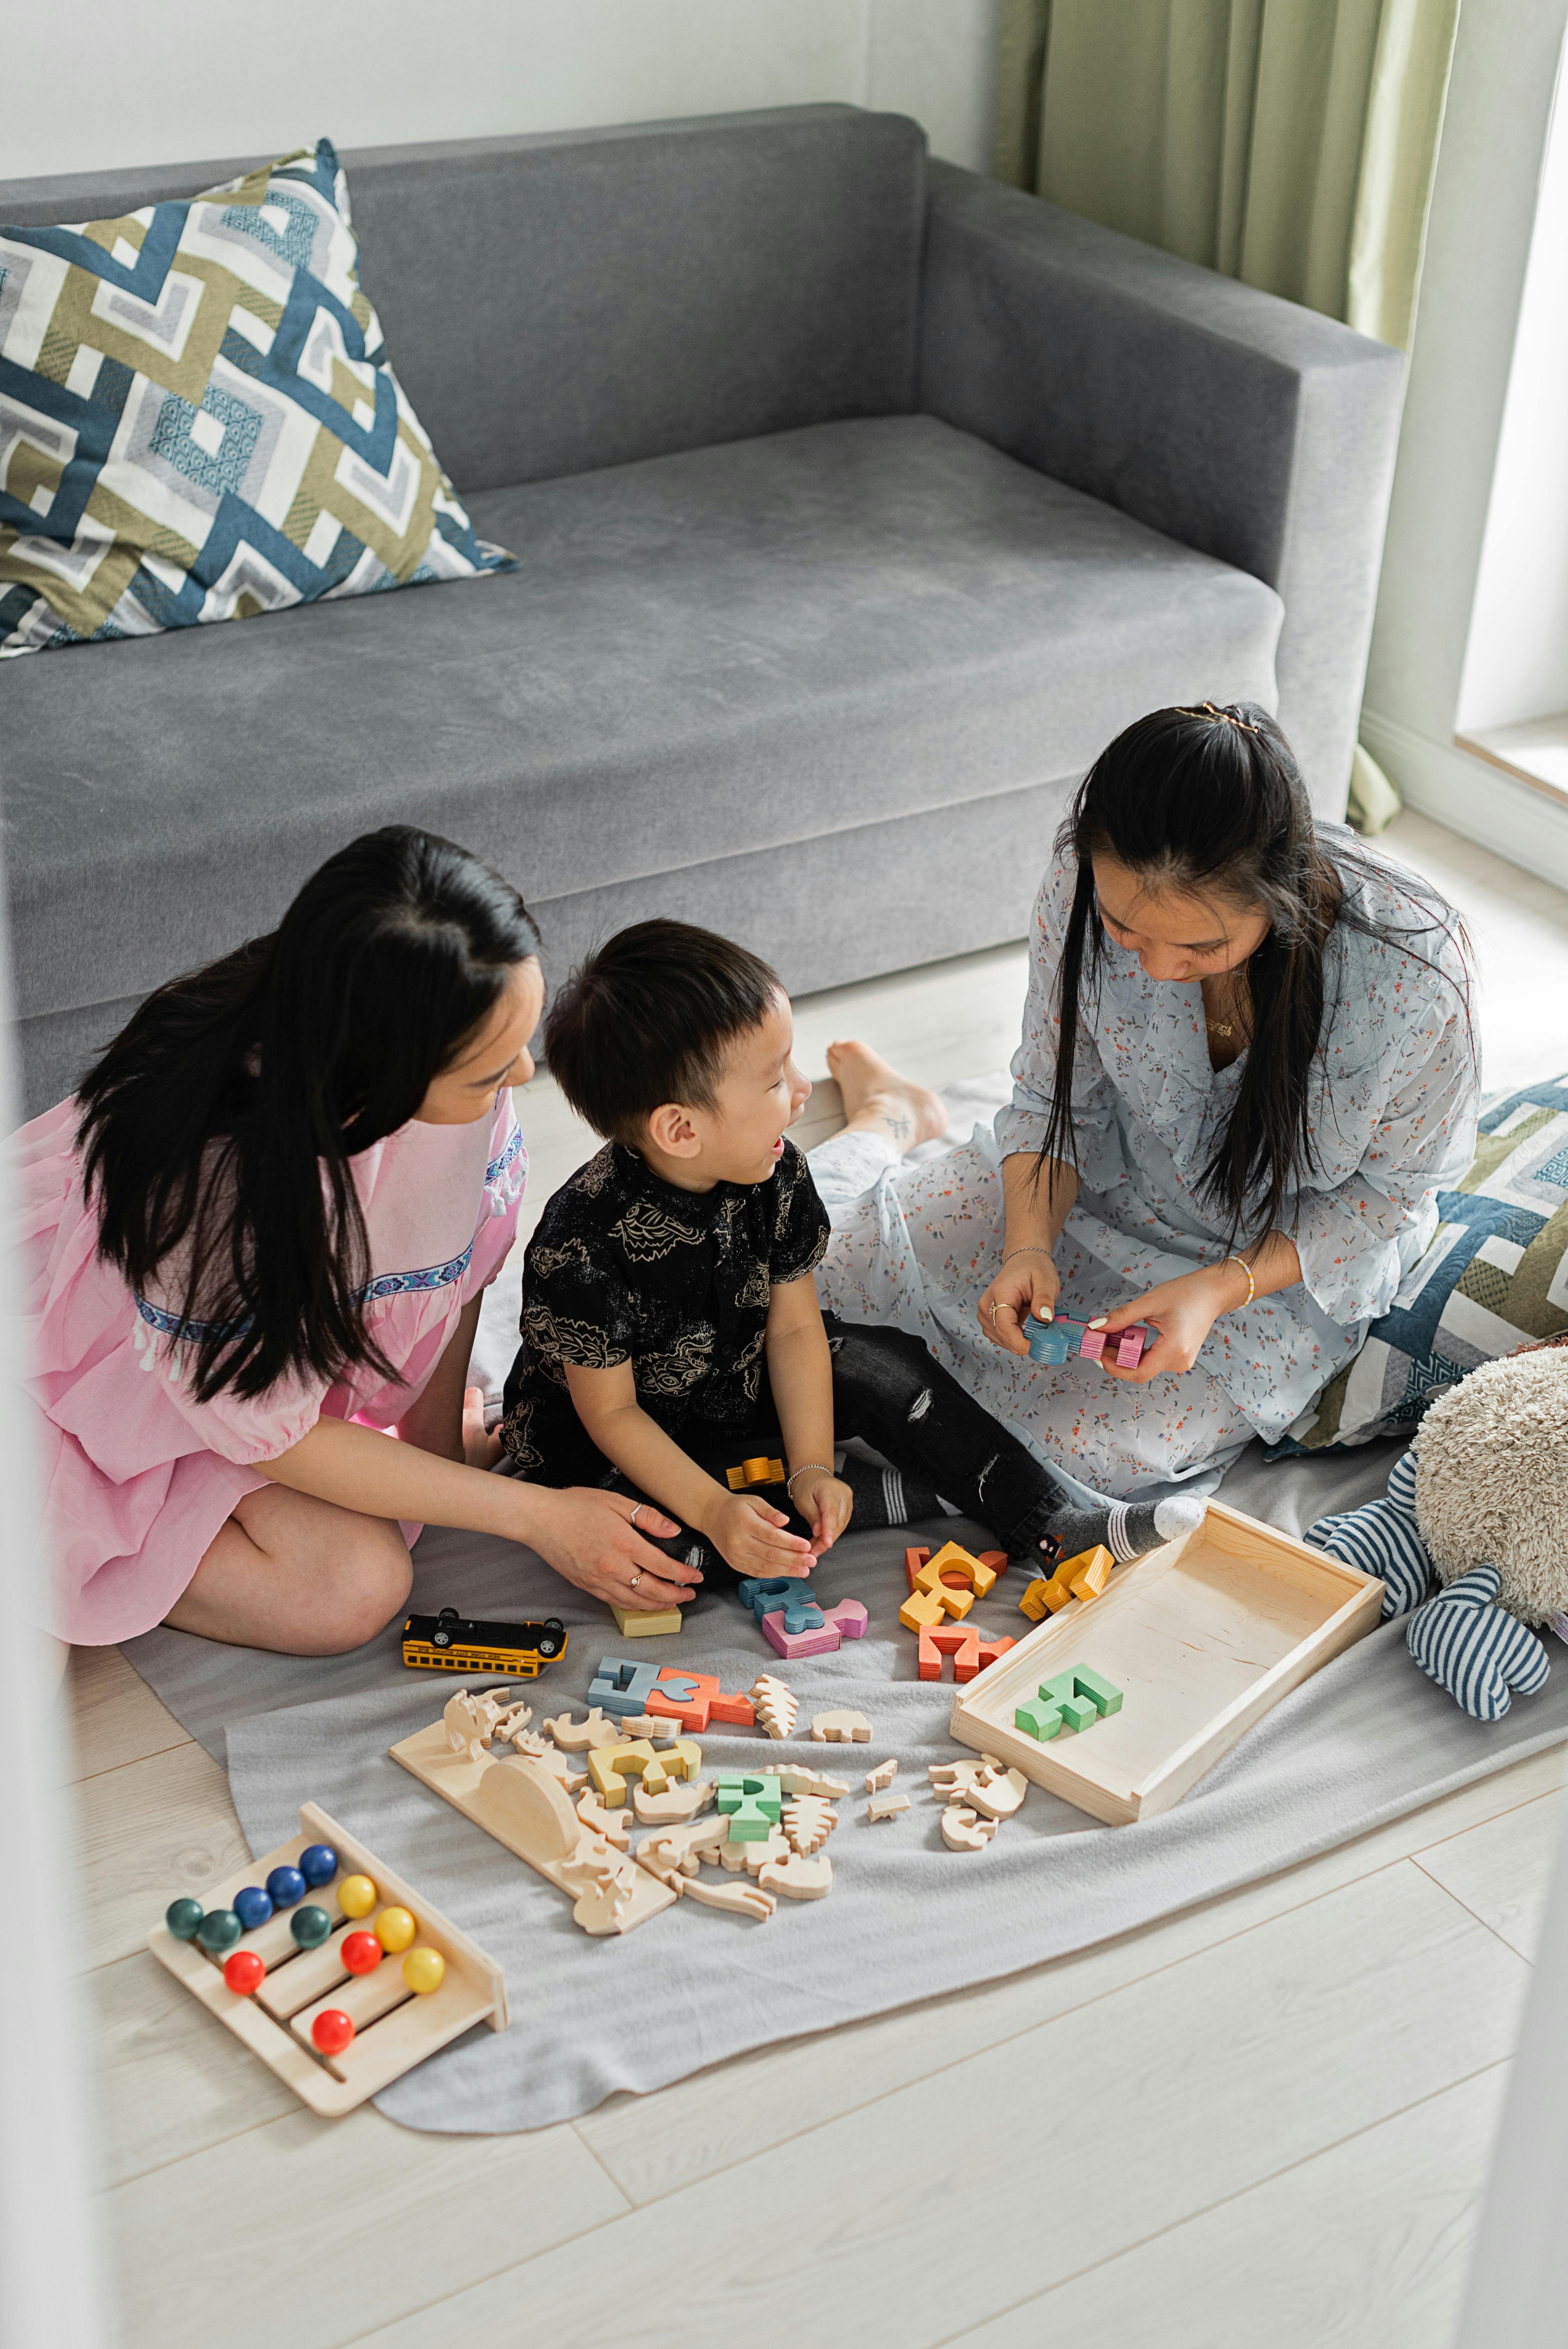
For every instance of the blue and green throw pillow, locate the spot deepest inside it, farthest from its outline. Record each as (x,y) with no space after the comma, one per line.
(1494,1276)
(198,419)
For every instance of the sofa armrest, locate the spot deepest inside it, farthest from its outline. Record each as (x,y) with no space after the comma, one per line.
(1240,425)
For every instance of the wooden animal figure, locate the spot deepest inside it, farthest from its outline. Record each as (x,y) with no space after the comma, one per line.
(798,1877)
(734,1855)
(604,1884)
(577,1737)
(740,1899)
(964,1830)
(840,1729)
(615,1827)
(680,1851)
(883,1775)
(886,1806)
(674,1805)
(997,1793)
(774,1705)
(957,1777)
(470,1722)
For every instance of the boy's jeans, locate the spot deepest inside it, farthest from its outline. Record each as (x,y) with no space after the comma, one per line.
(891,1392)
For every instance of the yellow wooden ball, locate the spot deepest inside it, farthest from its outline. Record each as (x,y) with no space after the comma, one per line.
(424,1970)
(356,1896)
(395,1930)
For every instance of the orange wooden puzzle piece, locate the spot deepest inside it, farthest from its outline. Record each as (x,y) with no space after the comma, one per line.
(962,1641)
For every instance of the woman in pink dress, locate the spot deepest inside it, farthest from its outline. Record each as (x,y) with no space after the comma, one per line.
(254,1247)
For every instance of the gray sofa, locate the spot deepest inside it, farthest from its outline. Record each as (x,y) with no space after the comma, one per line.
(858,501)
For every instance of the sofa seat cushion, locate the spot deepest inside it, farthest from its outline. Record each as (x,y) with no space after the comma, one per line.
(698,655)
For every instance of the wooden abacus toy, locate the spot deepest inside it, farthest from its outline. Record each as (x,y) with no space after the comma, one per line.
(336,2006)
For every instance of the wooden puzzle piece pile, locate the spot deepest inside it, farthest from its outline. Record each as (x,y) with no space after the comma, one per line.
(575,1824)
(1054,1341)
(977,1797)
(795,1621)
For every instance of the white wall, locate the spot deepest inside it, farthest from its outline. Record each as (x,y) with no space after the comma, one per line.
(1516,664)
(1478,245)
(201,79)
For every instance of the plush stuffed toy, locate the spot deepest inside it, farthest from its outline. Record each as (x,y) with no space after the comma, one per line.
(1481,1503)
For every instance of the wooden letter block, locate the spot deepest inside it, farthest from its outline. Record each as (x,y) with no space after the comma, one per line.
(610,1766)
(1092,1581)
(651,1624)
(755,1472)
(955,1568)
(970,1653)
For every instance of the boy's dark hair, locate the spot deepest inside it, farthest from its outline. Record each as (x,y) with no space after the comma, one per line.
(649,1018)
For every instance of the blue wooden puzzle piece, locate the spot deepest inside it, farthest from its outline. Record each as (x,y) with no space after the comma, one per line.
(621,1688)
(1051,1341)
(781,1594)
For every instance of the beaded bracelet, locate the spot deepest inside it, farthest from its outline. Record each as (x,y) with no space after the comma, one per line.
(1251,1284)
(790,1480)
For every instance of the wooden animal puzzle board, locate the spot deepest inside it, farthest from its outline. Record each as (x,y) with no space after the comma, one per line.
(391,2037)
(1201,1636)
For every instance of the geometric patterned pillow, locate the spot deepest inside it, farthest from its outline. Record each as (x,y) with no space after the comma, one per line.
(1494,1276)
(198,421)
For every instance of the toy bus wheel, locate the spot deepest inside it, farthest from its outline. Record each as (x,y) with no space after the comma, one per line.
(440,1639)
(551,1641)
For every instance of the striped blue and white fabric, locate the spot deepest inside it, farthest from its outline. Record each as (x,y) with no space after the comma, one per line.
(1383,1538)
(1475,1649)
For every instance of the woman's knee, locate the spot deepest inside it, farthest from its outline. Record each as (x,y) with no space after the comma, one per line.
(882,1364)
(372,1575)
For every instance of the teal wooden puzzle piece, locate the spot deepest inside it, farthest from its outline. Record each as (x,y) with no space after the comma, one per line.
(1074,1700)
(791,1597)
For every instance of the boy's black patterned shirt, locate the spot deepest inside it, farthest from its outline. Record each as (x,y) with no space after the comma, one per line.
(626,1268)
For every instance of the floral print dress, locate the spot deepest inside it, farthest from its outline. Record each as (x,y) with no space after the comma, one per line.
(1393,1117)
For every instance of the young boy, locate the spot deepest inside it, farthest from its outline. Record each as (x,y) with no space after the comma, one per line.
(670,1325)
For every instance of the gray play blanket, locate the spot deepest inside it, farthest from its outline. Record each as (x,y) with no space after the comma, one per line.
(1363,1740)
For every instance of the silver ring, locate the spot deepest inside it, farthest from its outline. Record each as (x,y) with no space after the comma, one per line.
(635,1579)
(634,1516)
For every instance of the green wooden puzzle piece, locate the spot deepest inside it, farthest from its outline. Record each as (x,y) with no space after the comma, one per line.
(1074,1700)
(752,1806)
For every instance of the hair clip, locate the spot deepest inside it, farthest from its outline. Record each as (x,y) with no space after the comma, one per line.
(1227,715)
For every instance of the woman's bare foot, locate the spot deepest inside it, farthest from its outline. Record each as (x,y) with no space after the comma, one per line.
(877,1100)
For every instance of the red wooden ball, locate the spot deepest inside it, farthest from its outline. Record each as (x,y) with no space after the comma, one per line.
(361,1952)
(331,2031)
(244,1972)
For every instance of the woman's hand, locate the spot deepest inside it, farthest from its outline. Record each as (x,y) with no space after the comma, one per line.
(1027,1284)
(1183,1312)
(754,1537)
(481,1446)
(589,1538)
(825,1502)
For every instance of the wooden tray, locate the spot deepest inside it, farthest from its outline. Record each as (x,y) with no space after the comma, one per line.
(396,2029)
(1201,1636)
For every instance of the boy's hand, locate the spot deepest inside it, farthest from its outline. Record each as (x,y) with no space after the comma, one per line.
(825,1502)
(755,1538)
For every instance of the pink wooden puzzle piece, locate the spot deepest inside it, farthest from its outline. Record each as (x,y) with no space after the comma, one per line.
(1130,1352)
(847,1620)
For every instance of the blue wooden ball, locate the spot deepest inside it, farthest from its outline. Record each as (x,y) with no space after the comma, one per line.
(252,1907)
(318,1864)
(182,1917)
(219,1930)
(285,1886)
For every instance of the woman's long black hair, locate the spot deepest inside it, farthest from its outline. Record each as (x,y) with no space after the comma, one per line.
(218,1127)
(1210,801)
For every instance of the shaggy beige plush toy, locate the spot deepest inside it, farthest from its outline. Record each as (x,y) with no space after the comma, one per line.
(1482,1502)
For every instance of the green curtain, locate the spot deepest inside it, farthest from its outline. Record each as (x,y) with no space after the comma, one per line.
(1290,143)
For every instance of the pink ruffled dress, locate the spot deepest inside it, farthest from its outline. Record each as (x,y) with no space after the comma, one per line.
(138,1476)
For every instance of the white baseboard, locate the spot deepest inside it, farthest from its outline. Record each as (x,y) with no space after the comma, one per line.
(1472,797)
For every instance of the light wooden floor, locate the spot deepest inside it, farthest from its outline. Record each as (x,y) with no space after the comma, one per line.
(1267,2120)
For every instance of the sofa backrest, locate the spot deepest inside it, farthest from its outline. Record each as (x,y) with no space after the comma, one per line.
(558,302)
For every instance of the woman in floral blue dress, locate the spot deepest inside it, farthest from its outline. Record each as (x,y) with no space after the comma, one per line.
(1247,1066)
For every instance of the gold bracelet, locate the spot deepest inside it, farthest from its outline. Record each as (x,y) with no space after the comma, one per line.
(1251,1284)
